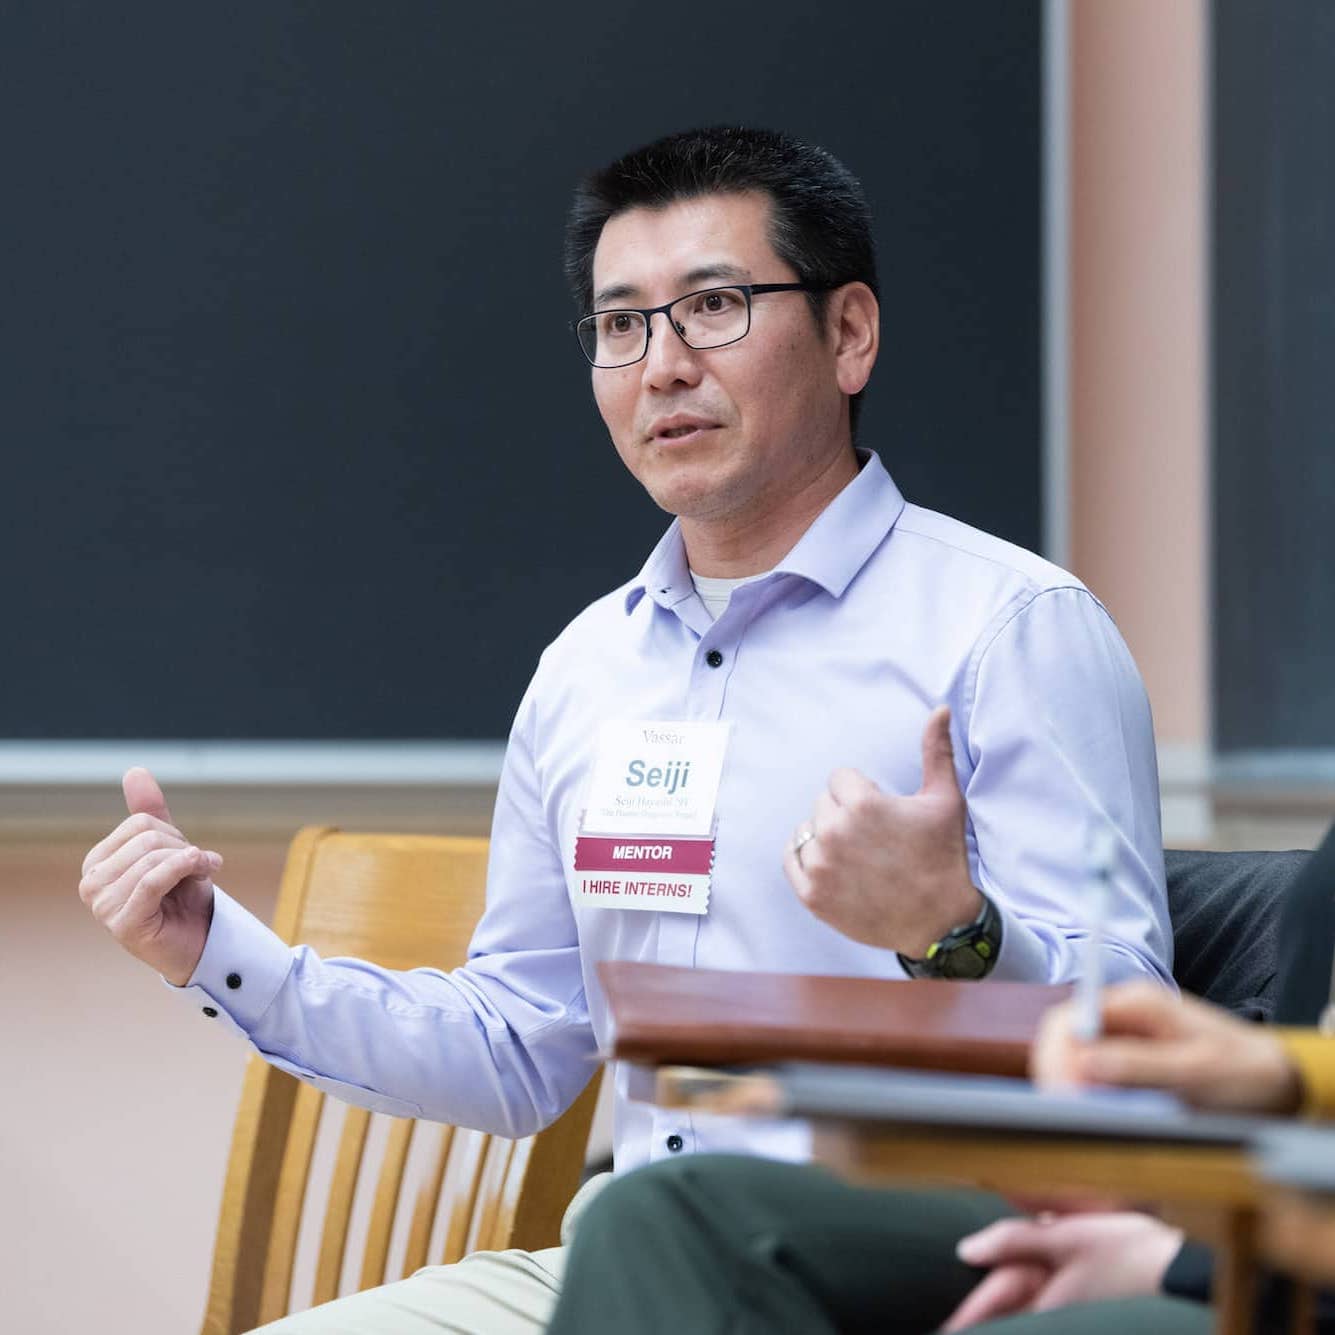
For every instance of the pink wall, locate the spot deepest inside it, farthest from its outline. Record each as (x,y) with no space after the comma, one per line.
(1139,449)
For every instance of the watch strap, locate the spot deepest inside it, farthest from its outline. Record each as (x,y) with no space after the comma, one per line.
(967,952)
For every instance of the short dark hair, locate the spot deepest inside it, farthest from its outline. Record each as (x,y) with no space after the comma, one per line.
(820,223)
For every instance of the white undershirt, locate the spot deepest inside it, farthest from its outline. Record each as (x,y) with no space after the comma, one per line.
(714,593)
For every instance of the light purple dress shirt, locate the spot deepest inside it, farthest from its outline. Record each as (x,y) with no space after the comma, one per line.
(880,612)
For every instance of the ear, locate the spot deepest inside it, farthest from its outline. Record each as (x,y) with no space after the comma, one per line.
(855,330)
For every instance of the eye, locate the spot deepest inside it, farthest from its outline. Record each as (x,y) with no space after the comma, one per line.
(719,301)
(618,324)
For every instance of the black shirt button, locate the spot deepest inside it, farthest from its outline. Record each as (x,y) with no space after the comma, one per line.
(714,658)
(233,981)
(210,1012)
(675,1143)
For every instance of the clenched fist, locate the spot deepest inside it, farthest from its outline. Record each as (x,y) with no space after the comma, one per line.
(149,886)
(887,870)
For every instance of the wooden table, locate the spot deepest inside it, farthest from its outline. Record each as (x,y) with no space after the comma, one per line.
(1210,1190)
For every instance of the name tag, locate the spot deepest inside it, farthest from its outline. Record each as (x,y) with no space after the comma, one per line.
(647,836)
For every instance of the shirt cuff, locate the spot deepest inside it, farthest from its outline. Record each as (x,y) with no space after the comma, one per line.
(242,967)
(1023,957)
(1190,1273)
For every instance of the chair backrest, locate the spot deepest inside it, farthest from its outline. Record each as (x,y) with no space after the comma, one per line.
(1225,909)
(438,1192)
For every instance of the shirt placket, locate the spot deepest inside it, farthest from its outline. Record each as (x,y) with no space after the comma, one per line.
(678,933)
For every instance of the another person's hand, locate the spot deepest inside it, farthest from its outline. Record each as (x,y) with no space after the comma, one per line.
(1151,1037)
(149,886)
(888,870)
(1036,1265)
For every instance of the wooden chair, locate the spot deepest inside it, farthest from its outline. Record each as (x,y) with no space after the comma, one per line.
(402,901)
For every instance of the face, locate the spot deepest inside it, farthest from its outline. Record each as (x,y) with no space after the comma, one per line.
(727,435)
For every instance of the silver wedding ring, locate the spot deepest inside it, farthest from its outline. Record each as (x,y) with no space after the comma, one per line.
(800,841)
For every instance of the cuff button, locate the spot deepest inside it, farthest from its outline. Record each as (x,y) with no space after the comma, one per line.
(210,1012)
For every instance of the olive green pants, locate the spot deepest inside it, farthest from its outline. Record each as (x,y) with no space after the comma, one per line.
(734,1246)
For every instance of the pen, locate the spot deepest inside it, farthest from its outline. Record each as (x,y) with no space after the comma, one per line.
(1102,850)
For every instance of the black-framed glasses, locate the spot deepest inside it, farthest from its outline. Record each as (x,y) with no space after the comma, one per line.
(713,317)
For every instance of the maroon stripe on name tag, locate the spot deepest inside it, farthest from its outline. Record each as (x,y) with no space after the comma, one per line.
(686,856)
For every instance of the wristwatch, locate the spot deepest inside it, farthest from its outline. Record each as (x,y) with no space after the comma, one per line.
(964,952)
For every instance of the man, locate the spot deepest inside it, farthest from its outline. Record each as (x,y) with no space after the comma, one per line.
(727,1244)
(663,773)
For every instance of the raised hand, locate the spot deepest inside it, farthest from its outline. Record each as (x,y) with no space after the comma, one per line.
(889,870)
(149,886)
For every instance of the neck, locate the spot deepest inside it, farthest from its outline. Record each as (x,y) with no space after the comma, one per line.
(752,543)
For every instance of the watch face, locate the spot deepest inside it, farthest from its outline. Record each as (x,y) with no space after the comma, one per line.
(963,962)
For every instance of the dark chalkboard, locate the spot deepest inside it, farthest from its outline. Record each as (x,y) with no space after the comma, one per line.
(264,478)
(1274,377)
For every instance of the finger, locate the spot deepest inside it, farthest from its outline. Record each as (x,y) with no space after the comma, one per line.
(1010,1289)
(127,829)
(156,883)
(938,755)
(826,815)
(1137,1062)
(1142,1007)
(1006,1241)
(1053,1056)
(111,899)
(120,860)
(795,872)
(850,786)
(142,794)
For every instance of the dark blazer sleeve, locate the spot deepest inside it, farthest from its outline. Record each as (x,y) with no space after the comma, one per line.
(1307,939)
(1191,1273)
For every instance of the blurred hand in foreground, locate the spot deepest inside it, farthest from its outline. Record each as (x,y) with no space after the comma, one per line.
(1153,1038)
(1036,1265)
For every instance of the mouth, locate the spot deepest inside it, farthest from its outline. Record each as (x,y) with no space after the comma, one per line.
(675,429)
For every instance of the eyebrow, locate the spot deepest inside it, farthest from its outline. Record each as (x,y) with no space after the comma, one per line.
(697,277)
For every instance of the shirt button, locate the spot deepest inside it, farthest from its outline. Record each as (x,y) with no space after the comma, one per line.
(210,1012)
(675,1143)
(233,981)
(714,658)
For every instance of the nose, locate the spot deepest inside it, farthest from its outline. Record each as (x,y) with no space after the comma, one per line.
(669,361)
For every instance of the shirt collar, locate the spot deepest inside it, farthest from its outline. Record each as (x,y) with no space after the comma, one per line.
(830,553)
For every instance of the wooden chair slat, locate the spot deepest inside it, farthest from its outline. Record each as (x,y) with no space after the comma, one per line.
(342,1194)
(376,1257)
(490,1187)
(466,1161)
(249,1198)
(305,1125)
(427,1205)
(496,1208)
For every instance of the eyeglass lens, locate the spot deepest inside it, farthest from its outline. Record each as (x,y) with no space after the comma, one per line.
(703,319)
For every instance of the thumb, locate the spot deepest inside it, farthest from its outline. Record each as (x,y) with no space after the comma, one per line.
(1006,1242)
(938,756)
(142,794)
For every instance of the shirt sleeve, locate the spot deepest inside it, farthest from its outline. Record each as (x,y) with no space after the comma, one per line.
(1059,739)
(502,1044)
(1313,1053)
